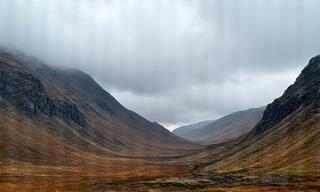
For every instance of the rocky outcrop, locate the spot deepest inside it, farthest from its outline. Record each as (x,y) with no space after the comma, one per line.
(105,107)
(303,93)
(28,94)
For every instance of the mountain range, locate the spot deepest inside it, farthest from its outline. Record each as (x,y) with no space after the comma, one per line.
(60,131)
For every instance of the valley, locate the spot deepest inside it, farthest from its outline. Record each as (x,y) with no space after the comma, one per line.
(60,131)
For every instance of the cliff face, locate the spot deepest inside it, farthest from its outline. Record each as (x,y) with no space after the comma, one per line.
(305,92)
(28,94)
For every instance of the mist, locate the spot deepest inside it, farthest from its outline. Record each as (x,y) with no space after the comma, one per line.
(174,62)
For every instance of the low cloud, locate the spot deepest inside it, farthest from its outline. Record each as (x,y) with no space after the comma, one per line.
(176,61)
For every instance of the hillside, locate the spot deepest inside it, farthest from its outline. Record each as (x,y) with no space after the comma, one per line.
(287,139)
(281,153)
(184,131)
(71,106)
(223,129)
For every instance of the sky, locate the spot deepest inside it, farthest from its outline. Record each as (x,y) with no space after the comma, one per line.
(172,61)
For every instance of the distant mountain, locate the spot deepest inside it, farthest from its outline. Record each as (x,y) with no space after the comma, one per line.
(287,139)
(70,108)
(223,129)
(183,131)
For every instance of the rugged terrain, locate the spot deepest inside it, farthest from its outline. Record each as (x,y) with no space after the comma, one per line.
(72,106)
(59,127)
(60,131)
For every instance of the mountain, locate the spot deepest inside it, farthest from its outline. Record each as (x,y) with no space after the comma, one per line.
(184,131)
(60,131)
(69,105)
(222,129)
(287,139)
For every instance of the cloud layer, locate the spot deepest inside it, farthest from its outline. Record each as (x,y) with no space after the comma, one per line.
(173,61)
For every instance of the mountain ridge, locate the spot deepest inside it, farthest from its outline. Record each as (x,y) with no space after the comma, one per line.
(187,128)
(225,128)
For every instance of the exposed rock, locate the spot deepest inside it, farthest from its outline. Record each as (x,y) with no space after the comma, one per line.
(28,94)
(105,107)
(304,92)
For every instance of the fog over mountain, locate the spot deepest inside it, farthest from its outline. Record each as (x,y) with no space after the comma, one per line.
(172,61)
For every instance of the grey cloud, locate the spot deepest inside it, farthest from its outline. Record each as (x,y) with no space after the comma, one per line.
(171,60)
(209,101)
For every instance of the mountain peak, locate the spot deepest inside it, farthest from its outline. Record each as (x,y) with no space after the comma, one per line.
(305,92)
(315,60)
(311,71)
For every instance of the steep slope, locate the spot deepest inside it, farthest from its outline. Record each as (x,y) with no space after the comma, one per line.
(60,131)
(71,106)
(223,129)
(287,139)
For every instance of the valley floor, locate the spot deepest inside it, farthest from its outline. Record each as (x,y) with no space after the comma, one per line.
(146,176)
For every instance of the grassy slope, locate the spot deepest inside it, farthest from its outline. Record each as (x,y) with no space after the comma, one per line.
(32,159)
(292,149)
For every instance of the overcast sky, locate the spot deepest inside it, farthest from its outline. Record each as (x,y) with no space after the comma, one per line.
(172,61)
